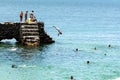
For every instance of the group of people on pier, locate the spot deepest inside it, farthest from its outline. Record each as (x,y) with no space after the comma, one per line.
(32,18)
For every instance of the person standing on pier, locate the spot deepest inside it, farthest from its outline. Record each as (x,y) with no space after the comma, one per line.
(32,14)
(21,16)
(26,14)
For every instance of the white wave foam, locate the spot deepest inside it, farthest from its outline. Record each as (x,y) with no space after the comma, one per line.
(117,78)
(26,66)
(13,49)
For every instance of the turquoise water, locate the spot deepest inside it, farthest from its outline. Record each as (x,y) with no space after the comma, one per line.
(84,24)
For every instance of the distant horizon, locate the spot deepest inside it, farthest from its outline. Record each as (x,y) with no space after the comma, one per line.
(74,2)
(81,1)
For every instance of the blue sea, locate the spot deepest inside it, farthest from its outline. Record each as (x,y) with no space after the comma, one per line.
(87,25)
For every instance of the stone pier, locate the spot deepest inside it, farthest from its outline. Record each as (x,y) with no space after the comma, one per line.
(25,33)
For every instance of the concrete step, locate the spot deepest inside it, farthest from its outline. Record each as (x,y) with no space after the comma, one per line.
(31,40)
(25,30)
(36,38)
(30,34)
(29,26)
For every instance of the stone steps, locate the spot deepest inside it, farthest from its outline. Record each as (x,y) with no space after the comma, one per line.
(30,34)
(25,33)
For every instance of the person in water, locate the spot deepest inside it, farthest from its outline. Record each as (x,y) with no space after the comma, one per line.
(109,45)
(88,62)
(95,48)
(14,66)
(71,78)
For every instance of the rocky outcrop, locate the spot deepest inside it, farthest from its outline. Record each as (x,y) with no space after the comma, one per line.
(9,30)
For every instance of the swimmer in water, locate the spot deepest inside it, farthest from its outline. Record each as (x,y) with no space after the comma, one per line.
(95,48)
(71,78)
(109,45)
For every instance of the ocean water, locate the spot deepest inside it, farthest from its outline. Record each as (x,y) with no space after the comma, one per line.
(85,25)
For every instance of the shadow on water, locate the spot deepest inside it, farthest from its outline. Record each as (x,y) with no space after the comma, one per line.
(16,52)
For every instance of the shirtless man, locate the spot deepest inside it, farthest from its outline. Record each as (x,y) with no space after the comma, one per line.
(21,16)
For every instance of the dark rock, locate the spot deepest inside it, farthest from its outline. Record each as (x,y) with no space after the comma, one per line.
(9,30)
